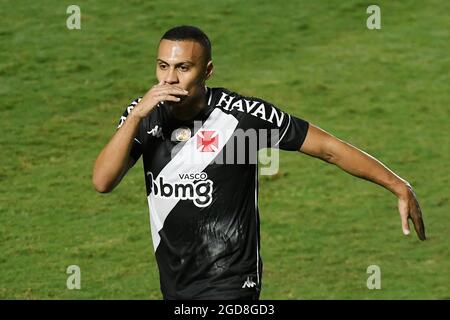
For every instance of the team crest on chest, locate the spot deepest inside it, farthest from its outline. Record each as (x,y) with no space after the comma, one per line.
(208,141)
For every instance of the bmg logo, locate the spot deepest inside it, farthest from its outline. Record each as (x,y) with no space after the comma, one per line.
(196,187)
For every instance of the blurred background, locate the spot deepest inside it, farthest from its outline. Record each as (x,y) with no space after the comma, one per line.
(385,91)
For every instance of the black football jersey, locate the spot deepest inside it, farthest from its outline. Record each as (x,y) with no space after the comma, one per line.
(202,189)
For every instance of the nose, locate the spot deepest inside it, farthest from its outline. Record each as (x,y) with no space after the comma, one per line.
(171,76)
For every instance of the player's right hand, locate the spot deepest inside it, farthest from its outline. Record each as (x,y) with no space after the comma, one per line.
(409,209)
(158,93)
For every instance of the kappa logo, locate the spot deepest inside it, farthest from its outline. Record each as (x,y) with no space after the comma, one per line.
(156,132)
(208,141)
(248,283)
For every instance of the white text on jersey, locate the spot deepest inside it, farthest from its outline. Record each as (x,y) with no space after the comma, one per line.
(254,108)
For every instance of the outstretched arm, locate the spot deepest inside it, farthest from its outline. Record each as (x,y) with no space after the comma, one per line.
(320,144)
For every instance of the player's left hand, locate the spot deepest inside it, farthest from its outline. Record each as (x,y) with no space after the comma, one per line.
(409,208)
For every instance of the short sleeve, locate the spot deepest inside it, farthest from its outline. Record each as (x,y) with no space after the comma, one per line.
(136,148)
(276,128)
(292,133)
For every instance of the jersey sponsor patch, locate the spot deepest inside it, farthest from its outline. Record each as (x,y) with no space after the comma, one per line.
(192,186)
(252,107)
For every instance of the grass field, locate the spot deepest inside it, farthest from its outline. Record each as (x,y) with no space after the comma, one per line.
(385,91)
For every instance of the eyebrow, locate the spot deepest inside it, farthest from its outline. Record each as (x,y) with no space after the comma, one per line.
(177,64)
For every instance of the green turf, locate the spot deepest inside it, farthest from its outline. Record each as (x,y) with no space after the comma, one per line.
(385,91)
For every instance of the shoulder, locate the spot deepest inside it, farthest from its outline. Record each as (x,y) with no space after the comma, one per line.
(131,106)
(128,110)
(153,117)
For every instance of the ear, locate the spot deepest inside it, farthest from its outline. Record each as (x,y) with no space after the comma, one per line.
(209,69)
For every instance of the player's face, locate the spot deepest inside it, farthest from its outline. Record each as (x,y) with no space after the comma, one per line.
(182,64)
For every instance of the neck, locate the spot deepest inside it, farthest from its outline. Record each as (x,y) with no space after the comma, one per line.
(189,108)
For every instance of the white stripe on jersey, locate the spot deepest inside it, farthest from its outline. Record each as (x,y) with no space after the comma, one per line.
(160,208)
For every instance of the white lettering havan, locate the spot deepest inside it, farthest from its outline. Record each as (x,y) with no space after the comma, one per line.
(254,108)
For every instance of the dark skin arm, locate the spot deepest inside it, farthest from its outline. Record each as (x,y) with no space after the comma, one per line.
(320,144)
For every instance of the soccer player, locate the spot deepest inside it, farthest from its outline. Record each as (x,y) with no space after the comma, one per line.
(202,192)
